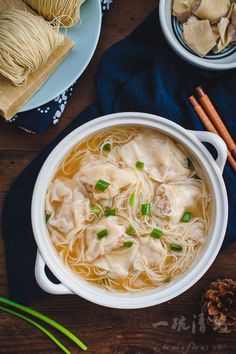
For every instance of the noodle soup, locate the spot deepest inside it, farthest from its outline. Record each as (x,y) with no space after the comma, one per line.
(128,209)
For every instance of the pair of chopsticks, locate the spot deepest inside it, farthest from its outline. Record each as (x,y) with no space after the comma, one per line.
(43,318)
(212,122)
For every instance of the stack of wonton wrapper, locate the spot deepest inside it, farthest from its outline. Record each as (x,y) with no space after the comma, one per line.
(13,98)
(208,25)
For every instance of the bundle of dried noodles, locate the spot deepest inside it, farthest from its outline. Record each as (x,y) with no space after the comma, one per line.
(67,10)
(26,43)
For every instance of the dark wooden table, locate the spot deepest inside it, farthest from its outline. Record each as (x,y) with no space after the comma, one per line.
(173,327)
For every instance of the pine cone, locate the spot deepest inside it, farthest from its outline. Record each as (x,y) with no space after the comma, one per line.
(219,305)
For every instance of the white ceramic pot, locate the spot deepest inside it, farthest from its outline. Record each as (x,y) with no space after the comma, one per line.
(72,283)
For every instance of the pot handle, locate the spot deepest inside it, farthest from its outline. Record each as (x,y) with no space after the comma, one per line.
(44,282)
(217,142)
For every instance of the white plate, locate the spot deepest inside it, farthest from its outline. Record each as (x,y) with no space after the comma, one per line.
(85,35)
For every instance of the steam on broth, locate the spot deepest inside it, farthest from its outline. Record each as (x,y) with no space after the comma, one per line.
(128,209)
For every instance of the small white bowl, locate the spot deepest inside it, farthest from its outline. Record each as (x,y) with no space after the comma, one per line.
(71,283)
(173,34)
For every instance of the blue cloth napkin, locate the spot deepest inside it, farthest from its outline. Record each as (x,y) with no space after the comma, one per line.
(51,112)
(141,73)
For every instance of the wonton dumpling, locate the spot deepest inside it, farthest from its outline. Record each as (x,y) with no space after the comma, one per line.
(149,252)
(196,231)
(212,10)
(96,247)
(73,205)
(174,199)
(144,251)
(199,36)
(62,189)
(163,159)
(118,262)
(56,236)
(118,178)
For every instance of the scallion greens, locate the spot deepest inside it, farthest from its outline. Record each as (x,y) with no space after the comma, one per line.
(106,147)
(96,209)
(47,216)
(127,244)
(45,319)
(132,199)
(130,230)
(102,233)
(146,209)
(110,212)
(140,165)
(101,185)
(186,217)
(156,233)
(176,248)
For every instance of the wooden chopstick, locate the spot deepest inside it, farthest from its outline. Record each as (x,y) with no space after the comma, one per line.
(209,126)
(215,119)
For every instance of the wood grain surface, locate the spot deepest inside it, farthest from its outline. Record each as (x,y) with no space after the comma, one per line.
(173,327)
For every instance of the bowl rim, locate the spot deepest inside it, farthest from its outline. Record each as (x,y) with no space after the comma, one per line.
(151,297)
(181,51)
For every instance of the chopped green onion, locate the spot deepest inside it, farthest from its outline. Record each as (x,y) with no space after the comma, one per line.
(102,233)
(146,209)
(37,325)
(132,199)
(96,209)
(156,233)
(176,248)
(101,185)
(186,217)
(140,165)
(110,212)
(128,244)
(106,147)
(47,216)
(130,230)
(167,280)
(46,319)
